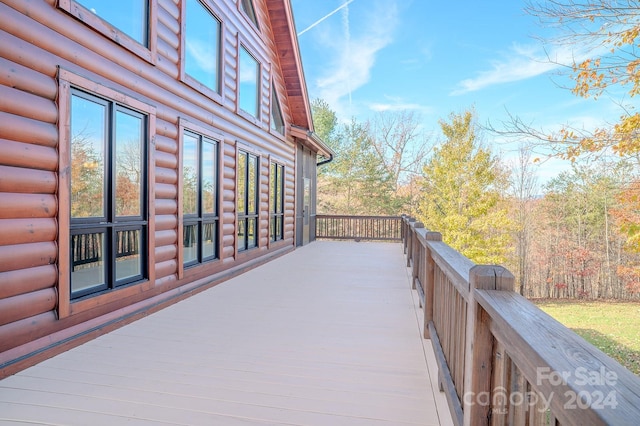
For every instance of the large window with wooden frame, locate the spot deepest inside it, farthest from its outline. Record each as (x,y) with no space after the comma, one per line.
(199,198)
(130,23)
(248,83)
(276,202)
(108,221)
(202,45)
(247,192)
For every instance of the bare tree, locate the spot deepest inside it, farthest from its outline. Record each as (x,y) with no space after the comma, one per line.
(399,142)
(524,184)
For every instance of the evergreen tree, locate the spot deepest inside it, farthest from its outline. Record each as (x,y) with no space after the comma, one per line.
(462,194)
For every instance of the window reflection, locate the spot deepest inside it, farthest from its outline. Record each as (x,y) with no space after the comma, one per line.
(190,243)
(249,74)
(208,240)
(129,137)
(87,261)
(128,260)
(209,168)
(202,44)
(190,174)
(129,16)
(88,139)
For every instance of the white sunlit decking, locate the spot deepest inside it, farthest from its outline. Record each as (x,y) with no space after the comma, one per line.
(329,334)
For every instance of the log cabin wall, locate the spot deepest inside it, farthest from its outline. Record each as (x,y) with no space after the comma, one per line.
(48,49)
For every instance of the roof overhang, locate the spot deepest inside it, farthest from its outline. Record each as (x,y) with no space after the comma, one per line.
(312,141)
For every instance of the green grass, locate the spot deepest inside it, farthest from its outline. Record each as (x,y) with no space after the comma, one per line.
(611,326)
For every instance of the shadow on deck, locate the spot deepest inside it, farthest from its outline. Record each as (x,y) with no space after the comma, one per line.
(330,334)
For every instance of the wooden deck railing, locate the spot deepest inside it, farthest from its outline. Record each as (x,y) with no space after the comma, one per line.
(372,228)
(501,359)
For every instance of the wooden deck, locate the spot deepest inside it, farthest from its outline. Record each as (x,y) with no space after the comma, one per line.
(327,335)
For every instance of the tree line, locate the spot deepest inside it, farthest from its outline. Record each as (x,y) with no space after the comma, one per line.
(577,235)
(572,237)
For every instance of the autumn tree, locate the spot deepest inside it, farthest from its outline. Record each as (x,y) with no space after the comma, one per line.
(463,193)
(576,251)
(627,217)
(87,170)
(607,30)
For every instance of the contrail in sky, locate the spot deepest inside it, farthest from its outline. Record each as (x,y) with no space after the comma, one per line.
(325,17)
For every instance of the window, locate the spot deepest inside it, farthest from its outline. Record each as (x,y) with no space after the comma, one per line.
(199,198)
(248,84)
(277,122)
(129,16)
(202,45)
(249,10)
(107,194)
(276,197)
(130,23)
(247,184)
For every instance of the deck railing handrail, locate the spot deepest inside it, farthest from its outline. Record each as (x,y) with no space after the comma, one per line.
(359,228)
(501,359)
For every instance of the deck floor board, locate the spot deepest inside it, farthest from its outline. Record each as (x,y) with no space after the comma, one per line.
(328,334)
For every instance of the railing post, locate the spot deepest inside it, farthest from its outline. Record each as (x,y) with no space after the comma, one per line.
(415,268)
(410,237)
(430,283)
(479,344)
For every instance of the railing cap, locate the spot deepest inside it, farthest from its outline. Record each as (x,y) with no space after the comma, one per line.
(491,277)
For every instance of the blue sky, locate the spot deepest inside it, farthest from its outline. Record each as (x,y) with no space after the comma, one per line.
(437,57)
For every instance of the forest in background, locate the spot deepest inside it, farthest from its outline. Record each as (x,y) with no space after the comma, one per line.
(575,236)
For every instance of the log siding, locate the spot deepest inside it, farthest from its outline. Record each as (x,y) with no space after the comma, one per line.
(48,47)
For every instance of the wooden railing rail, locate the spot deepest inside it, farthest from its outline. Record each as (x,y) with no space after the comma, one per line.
(501,359)
(359,228)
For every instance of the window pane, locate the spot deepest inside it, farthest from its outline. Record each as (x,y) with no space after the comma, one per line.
(202,44)
(88,264)
(279,227)
(209,163)
(277,122)
(251,185)
(272,188)
(129,16)
(129,168)
(248,85)
(241,182)
(280,190)
(272,229)
(251,233)
(208,240)
(242,231)
(247,6)
(128,259)
(88,141)
(190,243)
(189,174)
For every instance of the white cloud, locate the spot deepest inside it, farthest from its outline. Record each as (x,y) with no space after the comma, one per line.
(524,62)
(400,106)
(351,51)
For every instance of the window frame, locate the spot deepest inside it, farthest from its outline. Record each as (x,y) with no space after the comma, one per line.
(244,219)
(186,127)
(257,120)
(250,15)
(275,192)
(275,102)
(149,52)
(216,94)
(69,82)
